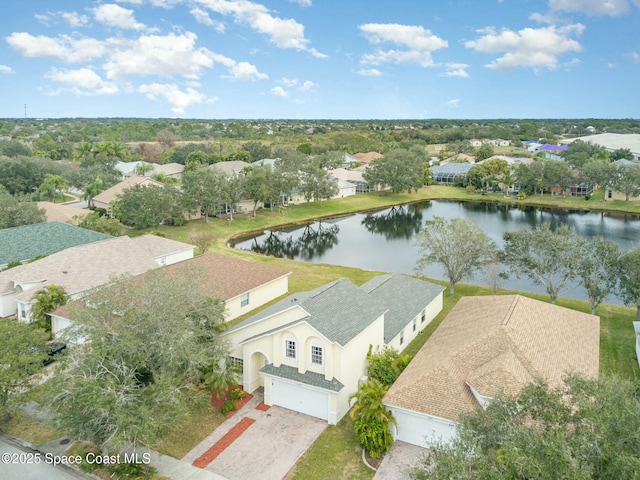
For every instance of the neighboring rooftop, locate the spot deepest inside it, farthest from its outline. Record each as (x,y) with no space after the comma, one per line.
(29,241)
(230,276)
(59,212)
(495,344)
(112,193)
(405,297)
(367,157)
(613,141)
(230,168)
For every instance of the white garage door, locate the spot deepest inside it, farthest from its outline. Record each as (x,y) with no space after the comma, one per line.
(300,399)
(420,430)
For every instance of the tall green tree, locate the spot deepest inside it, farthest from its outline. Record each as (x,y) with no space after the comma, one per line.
(461,247)
(147,206)
(548,257)
(401,170)
(597,270)
(16,211)
(315,182)
(484,152)
(203,190)
(585,429)
(371,419)
(629,278)
(150,339)
(21,355)
(627,181)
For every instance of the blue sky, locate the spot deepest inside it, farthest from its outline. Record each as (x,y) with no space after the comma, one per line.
(350,59)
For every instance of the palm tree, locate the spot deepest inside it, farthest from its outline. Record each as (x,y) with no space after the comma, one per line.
(507,179)
(47,300)
(93,189)
(372,419)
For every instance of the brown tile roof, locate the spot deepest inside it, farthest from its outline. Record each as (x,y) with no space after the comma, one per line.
(495,344)
(367,157)
(112,193)
(57,212)
(229,276)
(224,277)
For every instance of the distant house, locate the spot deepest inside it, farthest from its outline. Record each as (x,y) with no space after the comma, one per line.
(20,244)
(612,142)
(553,152)
(103,200)
(308,351)
(171,170)
(59,212)
(487,346)
(81,268)
(352,176)
(230,168)
(449,173)
(345,189)
(368,157)
(621,164)
(474,142)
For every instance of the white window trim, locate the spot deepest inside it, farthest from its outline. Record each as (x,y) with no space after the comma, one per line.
(290,348)
(319,354)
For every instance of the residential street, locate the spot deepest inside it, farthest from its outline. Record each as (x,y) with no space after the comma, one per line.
(15,471)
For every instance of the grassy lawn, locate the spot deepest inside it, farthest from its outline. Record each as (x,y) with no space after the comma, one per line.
(188,433)
(335,454)
(25,428)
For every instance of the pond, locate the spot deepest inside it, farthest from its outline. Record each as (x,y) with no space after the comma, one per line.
(383,240)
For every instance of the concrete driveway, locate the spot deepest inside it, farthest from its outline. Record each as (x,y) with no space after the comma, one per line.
(397,463)
(267,449)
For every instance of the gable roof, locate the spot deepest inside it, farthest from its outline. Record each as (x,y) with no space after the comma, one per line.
(29,241)
(168,169)
(112,193)
(59,212)
(328,307)
(367,157)
(81,268)
(228,276)
(495,344)
(230,168)
(156,246)
(404,297)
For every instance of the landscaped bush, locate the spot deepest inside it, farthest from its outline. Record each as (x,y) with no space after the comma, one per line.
(385,365)
(229,406)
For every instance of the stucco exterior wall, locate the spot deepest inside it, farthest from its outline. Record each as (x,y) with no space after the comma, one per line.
(257,297)
(175,257)
(431,311)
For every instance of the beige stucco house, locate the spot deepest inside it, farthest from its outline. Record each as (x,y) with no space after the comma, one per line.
(244,286)
(82,268)
(308,351)
(485,347)
(103,200)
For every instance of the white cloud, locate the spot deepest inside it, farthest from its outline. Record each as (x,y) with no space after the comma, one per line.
(634,56)
(419,42)
(369,72)
(530,47)
(284,33)
(244,71)
(454,102)
(166,55)
(83,81)
(74,19)
(179,99)
(63,48)
(288,82)
(113,15)
(611,65)
(302,3)
(279,92)
(202,16)
(612,8)
(6,69)
(306,86)
(456,70)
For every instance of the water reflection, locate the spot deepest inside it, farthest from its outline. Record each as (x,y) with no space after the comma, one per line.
(402,221)
(383,241)
(315,239)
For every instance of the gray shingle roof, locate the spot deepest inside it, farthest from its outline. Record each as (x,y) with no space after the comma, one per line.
(308,378)
(405,297)
(339,310)
(29,241)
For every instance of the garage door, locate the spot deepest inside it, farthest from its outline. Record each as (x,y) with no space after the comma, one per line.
(299,398)
(420,430)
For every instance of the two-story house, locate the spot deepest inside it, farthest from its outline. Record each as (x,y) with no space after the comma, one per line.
(308,351)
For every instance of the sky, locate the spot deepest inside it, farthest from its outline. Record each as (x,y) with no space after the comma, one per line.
(320,59)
